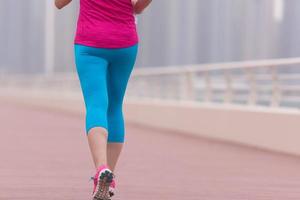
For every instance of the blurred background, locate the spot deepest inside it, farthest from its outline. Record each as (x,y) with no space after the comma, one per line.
(36,38)
(226,72)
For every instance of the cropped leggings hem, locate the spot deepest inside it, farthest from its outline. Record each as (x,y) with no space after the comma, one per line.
(103,74)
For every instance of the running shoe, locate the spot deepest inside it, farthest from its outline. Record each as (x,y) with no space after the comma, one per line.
(102,181)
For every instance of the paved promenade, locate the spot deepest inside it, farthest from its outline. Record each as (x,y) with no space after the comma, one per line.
(44,156)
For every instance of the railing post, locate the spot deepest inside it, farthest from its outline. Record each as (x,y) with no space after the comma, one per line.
(276,93)
(187,89)
(190,86)
(253,87)
(229,90)
(208,89)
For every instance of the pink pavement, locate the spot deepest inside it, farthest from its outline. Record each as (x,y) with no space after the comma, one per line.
(44,155)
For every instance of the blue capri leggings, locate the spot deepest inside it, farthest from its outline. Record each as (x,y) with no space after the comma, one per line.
(103,74)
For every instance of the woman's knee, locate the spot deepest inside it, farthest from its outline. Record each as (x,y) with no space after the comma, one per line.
(116,137)
(116,126)
(96,116)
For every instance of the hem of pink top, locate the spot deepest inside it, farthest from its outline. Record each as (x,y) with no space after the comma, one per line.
(97,45)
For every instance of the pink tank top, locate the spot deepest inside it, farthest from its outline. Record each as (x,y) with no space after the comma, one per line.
(106,24)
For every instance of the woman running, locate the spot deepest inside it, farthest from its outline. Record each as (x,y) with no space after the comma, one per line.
(105,46)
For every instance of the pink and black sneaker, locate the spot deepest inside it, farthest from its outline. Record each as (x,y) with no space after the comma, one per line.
(112,188)
(102,182)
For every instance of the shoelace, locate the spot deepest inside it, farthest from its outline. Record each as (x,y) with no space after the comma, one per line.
(93,178)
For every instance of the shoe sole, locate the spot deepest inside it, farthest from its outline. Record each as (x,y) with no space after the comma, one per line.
(102,189)
(111,192)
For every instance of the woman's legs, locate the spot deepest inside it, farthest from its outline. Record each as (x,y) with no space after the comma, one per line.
(103,83)
(97,139)
(92,70)
(119,70)
(113,152)
(103,75)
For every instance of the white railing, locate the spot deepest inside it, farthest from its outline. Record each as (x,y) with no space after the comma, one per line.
(274,83)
